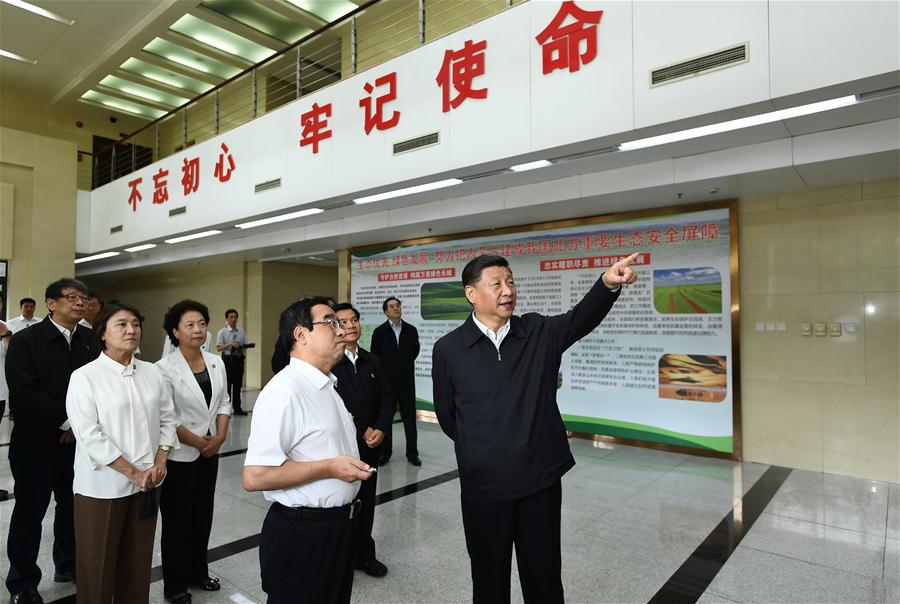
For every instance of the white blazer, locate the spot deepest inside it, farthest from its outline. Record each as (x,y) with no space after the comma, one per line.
(190,404)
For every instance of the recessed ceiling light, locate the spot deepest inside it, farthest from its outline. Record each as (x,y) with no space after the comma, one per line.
(192,236)
(37,10)
(532,165)
(140,248)
(12,55)
(429,186)
(283,217)
(96,257)
(744,122)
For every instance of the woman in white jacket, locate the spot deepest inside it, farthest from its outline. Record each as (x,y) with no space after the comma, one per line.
(124,425)
(196,380)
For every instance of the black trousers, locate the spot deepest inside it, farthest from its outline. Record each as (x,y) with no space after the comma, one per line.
(186,503)
(304,560)
(363,544)
(530,523)
(406,400)
(234,373)
(40,471)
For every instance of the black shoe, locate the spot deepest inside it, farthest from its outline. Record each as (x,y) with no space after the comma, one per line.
(209,584)
(383,460)
(373,568)
(64,576)
(415,460)
(240,412)
(182,598)
(28,596)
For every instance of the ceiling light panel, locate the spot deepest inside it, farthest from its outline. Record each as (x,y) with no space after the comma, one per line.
(260,18)
(122,105)
(189,58)
(144,92)
(37,10)
(163,76)
(224,40)
(327,10)
(11,55)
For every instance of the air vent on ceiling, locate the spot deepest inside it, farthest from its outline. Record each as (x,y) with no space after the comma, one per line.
(177,211)
(727,57)
(115,229)
(417,143)
(267,186)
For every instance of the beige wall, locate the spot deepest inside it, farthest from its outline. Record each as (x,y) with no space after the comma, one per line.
(40,178)
(828,404)
(258,290)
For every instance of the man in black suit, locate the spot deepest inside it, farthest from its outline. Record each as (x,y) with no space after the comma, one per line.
(39,362)
(364,389)
(396,343)
(495,395)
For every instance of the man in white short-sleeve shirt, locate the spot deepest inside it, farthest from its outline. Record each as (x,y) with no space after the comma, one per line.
(302,454)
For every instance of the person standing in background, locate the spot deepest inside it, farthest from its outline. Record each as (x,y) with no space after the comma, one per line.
(27,318)
(230,343)
(39,363)
(91,309)
(5,335)
(396,343)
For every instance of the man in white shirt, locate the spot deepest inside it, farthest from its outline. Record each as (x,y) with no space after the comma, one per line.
(91,310)
(27,318)
(230,343)
(302,454)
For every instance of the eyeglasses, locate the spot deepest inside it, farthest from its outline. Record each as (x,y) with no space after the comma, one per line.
(73,298)
(335,324)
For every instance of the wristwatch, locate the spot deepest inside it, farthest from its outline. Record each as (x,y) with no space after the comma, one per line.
(165,448)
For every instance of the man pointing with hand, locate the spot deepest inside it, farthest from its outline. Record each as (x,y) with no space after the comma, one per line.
(495,396)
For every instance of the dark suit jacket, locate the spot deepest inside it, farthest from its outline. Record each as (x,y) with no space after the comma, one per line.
(280,357)
(39,363)
(399,361)
(500,408)
(366,394)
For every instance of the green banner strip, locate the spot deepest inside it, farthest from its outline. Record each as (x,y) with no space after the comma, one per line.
(619,429)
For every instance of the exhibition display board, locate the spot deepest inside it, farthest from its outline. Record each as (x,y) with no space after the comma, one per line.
(660,369)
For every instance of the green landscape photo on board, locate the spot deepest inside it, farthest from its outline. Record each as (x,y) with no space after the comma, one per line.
(695,290)
(444,301)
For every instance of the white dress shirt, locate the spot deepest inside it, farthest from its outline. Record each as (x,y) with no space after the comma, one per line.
(227,335)
(396,327)
(191,410)
(299,416)
(117,411)
(19,323)
(496,338)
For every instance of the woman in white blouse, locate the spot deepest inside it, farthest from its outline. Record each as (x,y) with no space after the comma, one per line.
(196,380)
(124,424)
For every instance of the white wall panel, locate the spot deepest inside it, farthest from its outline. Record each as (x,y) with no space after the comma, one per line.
(818,44)
(594,101)
(674,31)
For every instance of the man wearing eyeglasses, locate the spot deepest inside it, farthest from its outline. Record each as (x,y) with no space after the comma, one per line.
(364,388)
(302,454)
(39,362)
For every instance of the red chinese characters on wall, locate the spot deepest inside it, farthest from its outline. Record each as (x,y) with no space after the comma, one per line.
(314,126)
(134,196)
(190,175)
(457,73)
(374,118)
(561,44)
(223,172)
(160,187)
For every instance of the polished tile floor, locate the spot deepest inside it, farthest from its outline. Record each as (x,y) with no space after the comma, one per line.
(634,520)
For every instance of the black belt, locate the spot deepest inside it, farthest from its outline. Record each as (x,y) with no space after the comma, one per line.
(344,512)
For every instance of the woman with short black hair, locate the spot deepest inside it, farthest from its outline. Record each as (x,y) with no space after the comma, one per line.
(197,383)
(124,425)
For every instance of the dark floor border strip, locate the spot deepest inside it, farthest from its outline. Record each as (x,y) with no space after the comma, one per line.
(693,577)
(247,543)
